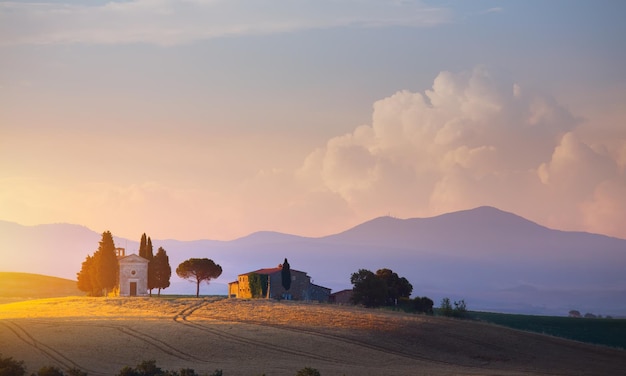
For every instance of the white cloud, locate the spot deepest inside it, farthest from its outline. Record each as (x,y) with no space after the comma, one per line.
(474,139)
(168,22)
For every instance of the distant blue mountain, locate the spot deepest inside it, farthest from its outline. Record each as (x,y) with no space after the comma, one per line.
(493,259)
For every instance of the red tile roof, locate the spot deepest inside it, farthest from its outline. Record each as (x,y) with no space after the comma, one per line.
(268,271)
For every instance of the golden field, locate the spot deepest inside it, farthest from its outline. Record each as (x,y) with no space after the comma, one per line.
(254,337)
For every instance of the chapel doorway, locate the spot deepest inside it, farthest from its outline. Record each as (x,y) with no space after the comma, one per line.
(133,289)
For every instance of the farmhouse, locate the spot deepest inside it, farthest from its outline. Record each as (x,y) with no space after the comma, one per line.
(133,274)
(271,278)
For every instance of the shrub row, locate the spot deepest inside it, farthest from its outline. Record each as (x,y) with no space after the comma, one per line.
(12,367)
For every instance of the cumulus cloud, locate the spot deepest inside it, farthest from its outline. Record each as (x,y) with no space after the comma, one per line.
(473,139)
(168,22)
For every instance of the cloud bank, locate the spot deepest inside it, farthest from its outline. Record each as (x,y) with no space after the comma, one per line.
(170,22)
(474,139)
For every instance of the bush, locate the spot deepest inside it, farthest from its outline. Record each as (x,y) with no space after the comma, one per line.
(308,371)
(128,371)
(423,305)
(459,310)
(11,367)
(149,368)
(76,372)
(445,309)
(49,371)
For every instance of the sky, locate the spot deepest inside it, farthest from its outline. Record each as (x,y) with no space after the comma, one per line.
(213,119)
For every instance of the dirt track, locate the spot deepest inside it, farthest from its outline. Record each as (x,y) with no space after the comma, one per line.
(278,338)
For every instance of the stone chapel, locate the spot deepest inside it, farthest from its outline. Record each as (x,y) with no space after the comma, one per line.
(133,274)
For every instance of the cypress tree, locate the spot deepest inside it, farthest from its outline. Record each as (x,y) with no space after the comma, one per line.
(149,255)
(142,246)
(107,267)
(285,275)
(162,270)
(85,278)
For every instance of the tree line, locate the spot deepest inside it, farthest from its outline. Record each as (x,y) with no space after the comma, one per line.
(99,273)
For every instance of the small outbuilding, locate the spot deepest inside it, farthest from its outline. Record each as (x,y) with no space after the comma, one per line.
(341,297)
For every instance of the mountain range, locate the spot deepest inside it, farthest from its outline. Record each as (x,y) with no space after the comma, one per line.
(494,260)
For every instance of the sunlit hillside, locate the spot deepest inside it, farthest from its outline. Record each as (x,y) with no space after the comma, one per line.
(100,336)
(25,286)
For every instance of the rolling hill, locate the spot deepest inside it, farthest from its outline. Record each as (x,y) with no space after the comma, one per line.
(253,337)
(493,259)
(25,286)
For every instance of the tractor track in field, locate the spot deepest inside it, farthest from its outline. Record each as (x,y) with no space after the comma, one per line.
(182,317)
(147,338)
(46,350)
(404,354)
(354,342)
(370,346)
(159,344)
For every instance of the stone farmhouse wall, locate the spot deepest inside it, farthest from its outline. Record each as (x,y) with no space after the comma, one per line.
(299,289)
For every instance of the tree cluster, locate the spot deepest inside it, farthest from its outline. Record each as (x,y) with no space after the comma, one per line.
(99,273)
(418,304)
(382,288)
(459,310)
(576,314)
(159,270)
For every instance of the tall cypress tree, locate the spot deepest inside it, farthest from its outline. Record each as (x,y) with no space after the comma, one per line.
(150,257)
(143,246)
(285,275)
(107,267)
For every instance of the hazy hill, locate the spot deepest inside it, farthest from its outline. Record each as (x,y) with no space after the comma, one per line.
(22,286)
(493,259)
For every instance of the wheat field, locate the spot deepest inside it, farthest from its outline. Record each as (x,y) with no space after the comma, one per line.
(255,337)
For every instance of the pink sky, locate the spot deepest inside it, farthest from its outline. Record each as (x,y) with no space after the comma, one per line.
(310,126)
